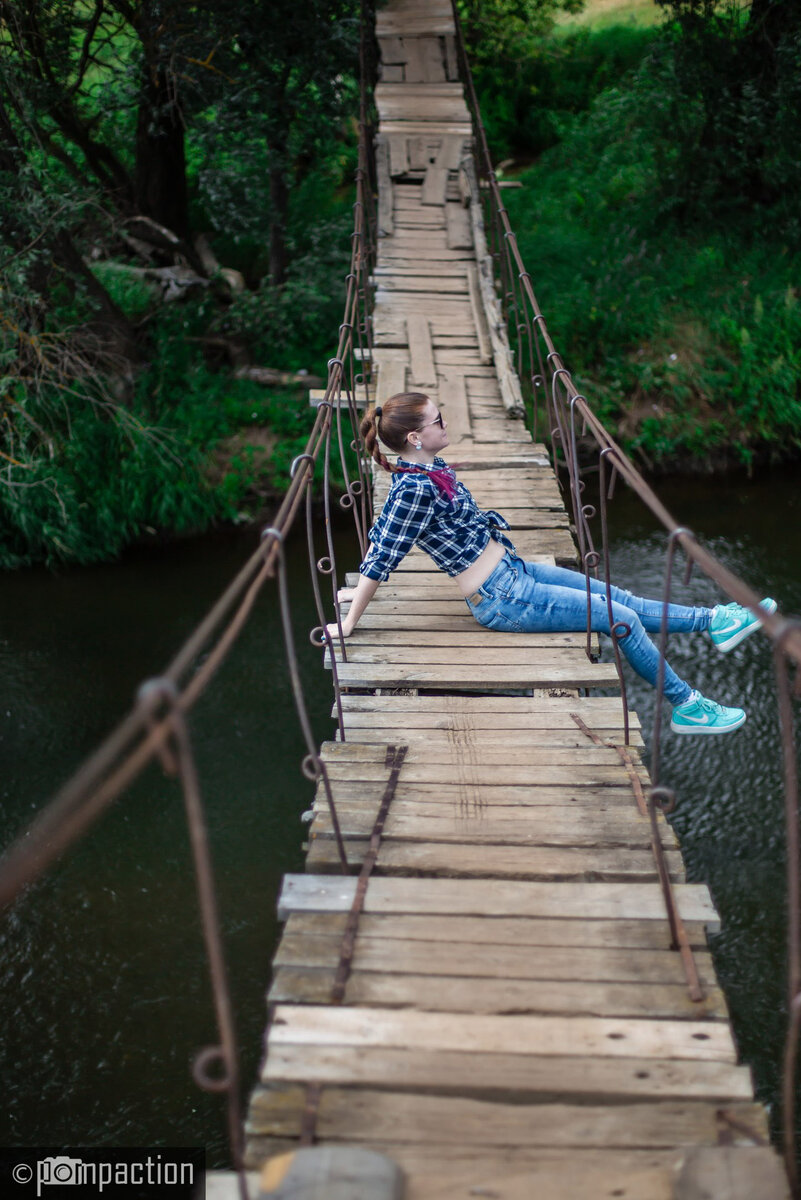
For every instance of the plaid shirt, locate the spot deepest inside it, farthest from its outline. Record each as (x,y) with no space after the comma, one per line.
(453,532)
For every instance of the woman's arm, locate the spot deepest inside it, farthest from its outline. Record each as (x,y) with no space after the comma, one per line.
(362,595)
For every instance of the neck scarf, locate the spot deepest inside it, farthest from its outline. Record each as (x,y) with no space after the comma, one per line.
(443,478)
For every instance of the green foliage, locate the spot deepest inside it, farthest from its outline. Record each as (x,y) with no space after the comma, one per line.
(527,103)
(687,341)
(664,260)
(236,119)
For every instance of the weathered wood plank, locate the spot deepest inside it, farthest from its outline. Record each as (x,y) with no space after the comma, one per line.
(423,371)
(523,933)
(434,993)
(532,827)
(497,898)
(455,860)
(385,222)
(412,956)
(372,675)
(459,233)
(522,1076)
(453,402)
(596,1037)
(373,1115)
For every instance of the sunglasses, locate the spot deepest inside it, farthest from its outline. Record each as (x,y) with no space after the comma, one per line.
(438,420)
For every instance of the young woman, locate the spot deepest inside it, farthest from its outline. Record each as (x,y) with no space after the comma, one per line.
(428,507)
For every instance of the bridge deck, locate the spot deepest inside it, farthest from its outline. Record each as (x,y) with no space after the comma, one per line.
(511,1020)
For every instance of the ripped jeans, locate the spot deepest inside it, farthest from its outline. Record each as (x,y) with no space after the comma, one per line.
(525,597)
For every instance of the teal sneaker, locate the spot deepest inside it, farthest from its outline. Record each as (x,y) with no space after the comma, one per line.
(731,623)
(699,715)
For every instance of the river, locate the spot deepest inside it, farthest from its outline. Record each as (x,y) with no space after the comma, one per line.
(105,995)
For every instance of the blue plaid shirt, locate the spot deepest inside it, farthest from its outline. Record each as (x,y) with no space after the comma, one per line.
(453,532)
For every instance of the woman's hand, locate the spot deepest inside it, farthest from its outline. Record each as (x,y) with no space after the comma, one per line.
(345,594)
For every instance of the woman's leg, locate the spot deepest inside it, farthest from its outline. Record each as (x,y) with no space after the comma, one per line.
(522,597)
(681,618)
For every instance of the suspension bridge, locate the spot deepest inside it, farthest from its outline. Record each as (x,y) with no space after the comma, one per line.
(514,997)
(493,980)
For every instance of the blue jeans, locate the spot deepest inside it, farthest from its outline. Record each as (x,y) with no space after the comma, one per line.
(525,597)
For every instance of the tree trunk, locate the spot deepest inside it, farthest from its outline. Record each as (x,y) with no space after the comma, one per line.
(279,207)
(160,189)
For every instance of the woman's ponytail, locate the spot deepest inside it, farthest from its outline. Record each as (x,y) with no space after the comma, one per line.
(392,422)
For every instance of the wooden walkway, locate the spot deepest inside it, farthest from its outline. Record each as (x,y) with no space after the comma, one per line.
(513,1022)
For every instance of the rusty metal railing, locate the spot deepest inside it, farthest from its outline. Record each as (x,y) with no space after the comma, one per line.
(554,404)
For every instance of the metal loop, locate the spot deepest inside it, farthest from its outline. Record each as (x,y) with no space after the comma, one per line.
(615,630)
(345,501)
(296,462)
(325,565)
(318,637)
(591,559)
(270,531)
(663,798)
(155,689)
(149,695)
(589,511)
(355,488)
(204,1060)
(311,767)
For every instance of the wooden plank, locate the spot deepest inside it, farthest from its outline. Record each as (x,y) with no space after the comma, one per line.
(451,151)
(398,154)
(522,933)
(485,678)
(456,860)
(459,233)
(524,1077)
(565,773)
(583,754)
(565,964)
(424,63)
(521,827)
(433,284)
(479,317)
(434,185)
(451,60)
(502,898)
(375,1115)
(583,796)
(385,222)
(390,72)
(525,1036)
(392,49)
(431,108)
(489,709)
(434,993)
(453,401)
(423,373)
(413,127)
(391,380)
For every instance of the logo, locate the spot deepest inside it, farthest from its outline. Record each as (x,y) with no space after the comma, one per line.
(103,1172)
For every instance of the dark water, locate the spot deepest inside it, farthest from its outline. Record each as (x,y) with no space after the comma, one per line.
(729,815)
(104,995)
